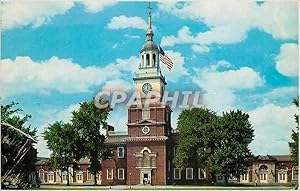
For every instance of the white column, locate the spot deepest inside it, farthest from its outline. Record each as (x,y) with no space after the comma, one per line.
(151,59)
(145,58)
(141,62)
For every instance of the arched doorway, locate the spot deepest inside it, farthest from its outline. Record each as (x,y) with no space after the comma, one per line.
(263,174)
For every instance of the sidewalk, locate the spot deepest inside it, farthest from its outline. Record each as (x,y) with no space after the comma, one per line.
(166,187)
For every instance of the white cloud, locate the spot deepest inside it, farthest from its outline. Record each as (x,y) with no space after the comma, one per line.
(132,36)
(280,93)
(220,86)
(229,21)
(36,13)
(278,96)
(122,22)
(178,69)
(273,126)
(183,36)
(200,49)
(24,75)
(117,85)
(93,6)
(287,60)
(118,118)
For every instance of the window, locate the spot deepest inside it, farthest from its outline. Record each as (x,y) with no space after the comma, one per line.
(32,177)
(41,175)
(153,59)
(295,173)
(121,173)
(244,176)
(79,176)
(51,176)
(146,114)
(120,151)
(89,175)
(177,173)
(263,173)
(189,173)
(64,176)
(201,173)
(146,159)
(109,174)
(282,175)
(263,176)
(98,176)
(220,177)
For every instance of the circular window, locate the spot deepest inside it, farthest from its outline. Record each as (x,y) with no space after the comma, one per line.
(146,130)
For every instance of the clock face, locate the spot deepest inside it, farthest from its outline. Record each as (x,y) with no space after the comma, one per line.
(147,88)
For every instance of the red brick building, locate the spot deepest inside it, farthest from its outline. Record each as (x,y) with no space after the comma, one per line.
(144,155)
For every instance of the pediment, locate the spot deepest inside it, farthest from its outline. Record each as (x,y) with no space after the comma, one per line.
(146,122)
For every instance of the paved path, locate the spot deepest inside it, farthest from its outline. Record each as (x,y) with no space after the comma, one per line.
(142,187)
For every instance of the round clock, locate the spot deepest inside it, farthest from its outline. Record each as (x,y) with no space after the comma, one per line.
(147,88)
(146,130)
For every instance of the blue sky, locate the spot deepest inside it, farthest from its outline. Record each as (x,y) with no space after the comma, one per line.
(242,55)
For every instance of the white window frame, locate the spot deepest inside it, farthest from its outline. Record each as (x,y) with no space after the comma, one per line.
(295,168)
(244,177)
(146,114)
(123,173)
(177,178)
(123,153)
(79,174)
(107,174)
(64,174)
(204,174)
(51,174)
(186,173)
(99,176)
(263,177)
(282,175)
(89,175)
(41,172)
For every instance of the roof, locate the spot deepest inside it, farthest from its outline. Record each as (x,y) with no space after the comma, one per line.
(149,45)
(282,157)
(264,158)
(41,161)
(116,139)
(273,157)
(84,161)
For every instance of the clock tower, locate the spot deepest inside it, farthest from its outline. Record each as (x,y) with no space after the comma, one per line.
(149,77)
(149,127)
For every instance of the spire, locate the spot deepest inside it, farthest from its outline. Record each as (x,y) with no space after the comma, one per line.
(149,33)
(149,16)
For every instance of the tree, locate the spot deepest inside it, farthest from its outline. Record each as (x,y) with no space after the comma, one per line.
(18,154)
(192,126)
(218,143)
(64,143)
(230,136)
(88,121)
(295,135)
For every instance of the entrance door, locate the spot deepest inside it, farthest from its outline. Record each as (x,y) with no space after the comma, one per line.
(145,177)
